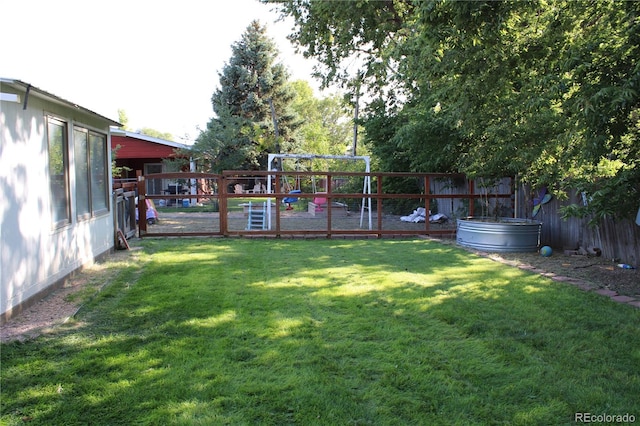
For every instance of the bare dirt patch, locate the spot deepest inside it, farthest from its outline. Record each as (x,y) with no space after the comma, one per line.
(295,220)
(593,273)
(598,272)
(61,305)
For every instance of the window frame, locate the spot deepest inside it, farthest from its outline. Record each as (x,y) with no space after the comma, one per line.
(99,211)
(54,196)
(82,174)
(87,160)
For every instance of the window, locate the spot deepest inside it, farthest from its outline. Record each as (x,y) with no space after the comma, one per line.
(58,172)
(81,152)
(90,149)
(99,172)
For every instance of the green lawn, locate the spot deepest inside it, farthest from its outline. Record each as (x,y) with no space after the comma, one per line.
(327,332)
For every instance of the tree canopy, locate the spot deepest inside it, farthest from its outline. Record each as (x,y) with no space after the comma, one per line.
(124,120)
(545,90)
(253,87)
(327,125)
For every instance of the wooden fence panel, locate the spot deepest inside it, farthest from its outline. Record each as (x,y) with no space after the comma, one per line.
(617,239)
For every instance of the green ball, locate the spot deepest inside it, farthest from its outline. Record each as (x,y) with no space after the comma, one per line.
(546,251)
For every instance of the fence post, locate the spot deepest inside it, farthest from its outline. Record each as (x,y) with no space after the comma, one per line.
(223,205)
(142,205)
(329,204)
(427,202)
(472,199)
(379,205)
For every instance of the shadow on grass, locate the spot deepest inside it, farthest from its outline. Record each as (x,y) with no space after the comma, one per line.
(328,332)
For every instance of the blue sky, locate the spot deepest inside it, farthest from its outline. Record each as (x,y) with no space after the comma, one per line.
(157,60)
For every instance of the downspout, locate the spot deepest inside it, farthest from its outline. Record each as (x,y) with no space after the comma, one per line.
(26,97)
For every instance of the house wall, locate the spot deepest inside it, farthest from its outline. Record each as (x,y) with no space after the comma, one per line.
(132,148)
(35,257)
(135,150)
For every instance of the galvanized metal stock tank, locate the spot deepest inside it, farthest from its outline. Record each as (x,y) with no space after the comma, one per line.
(499,235)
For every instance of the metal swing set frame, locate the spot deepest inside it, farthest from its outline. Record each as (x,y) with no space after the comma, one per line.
(272,165)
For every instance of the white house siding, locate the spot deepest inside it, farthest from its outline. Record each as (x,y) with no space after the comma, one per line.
(34,257)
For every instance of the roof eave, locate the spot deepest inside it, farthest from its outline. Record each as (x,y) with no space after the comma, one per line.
(21,85)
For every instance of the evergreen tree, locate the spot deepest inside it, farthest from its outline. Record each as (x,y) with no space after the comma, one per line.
(242,132)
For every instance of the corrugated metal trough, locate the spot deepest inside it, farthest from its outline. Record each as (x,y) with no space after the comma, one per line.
(499,235)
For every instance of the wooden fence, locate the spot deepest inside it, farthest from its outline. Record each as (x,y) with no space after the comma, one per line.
(617,239)
(451,195)
(373,204)
(124,212)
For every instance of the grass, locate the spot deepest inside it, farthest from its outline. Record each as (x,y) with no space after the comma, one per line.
(384,332)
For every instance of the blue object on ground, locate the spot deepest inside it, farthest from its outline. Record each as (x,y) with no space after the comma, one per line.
(625,266)
(546,251)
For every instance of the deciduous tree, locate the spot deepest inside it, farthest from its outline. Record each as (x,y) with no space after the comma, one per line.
(547,90)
